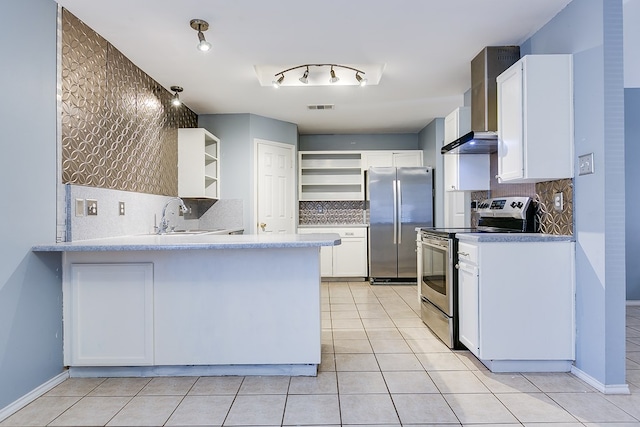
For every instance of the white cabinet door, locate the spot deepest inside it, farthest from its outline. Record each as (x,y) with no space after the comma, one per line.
(404,158)
(377,159)
(535,119)
(108,310)
(350,258)
(510,143)
(407,159)
(326,261)
(468,306)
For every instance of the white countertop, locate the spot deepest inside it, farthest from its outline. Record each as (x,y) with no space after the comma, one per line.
(154,242)
(333,225)
(513,237)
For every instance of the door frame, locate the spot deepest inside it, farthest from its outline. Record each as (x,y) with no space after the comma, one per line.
(293,186)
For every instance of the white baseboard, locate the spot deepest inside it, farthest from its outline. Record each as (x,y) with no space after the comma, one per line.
(602,388)
(633,302)
(14,407)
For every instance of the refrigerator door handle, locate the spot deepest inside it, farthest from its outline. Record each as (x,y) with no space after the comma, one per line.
(395,212)
(399,212)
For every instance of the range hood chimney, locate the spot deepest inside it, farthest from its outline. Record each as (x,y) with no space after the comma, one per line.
(485,67)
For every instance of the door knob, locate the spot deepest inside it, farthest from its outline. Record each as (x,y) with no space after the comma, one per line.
(263,225)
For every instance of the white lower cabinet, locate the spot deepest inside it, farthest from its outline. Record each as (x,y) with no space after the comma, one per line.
(468,285)
(108,318)
(349,259)
(516,304)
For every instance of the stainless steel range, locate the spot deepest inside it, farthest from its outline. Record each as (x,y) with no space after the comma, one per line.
(438,259)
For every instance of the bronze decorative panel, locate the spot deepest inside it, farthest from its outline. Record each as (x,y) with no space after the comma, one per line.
(551,221)
(119,129)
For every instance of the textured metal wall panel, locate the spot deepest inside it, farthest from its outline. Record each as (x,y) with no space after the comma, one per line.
(119,129)
(551,221)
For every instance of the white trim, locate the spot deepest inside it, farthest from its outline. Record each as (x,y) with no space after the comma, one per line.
(602,388)
(14,407)
(294,186)
(633,302)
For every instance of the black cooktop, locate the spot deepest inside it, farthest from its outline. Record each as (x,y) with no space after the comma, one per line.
(480,229)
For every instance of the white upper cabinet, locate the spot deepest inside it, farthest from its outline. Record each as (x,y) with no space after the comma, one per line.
(404,158)
(463,172)
(535,119)
(198,164)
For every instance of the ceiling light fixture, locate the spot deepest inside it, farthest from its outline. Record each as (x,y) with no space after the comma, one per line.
(277,83)
(305,77)
(200,25)
(175,101)
(361,80)
(333,77)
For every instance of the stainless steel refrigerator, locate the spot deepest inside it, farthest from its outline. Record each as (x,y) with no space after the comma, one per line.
(400,199)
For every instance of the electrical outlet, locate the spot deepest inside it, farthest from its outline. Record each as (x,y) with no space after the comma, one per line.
(92,207)
(558,202)
(320,209)
(586,164)
(121,208)
(79,207)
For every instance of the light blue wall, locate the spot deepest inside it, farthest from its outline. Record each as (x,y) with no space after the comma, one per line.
(391,141)
(237,133)
(30,284)
(592,31)
(430,141)
(632,176)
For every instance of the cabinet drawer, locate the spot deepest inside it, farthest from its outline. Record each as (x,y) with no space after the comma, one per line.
(467,253)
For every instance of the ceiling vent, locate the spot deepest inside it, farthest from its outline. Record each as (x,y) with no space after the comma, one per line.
(321,107)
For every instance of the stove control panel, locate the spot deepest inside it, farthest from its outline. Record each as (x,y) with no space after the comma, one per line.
(514,207)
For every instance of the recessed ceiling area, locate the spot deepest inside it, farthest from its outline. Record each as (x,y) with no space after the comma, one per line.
(418,52)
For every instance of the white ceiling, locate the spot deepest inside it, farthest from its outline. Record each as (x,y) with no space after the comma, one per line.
(425,47)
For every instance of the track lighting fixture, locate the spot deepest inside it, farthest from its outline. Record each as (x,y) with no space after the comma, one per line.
(200,25)
(333,78)
(361,81)
(175,101)
(277,83)
(305,77)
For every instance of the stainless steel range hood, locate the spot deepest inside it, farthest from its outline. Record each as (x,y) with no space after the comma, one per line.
(473,143)
(485,67)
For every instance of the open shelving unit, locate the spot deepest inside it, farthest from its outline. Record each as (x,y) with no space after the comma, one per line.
(330,175)
(198,164)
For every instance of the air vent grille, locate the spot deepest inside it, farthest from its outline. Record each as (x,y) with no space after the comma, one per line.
(321,107)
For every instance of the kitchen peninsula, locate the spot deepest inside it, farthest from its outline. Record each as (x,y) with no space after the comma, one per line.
(192,304)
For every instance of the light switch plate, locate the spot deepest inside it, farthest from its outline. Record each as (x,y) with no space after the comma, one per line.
(586,164)
(79,207)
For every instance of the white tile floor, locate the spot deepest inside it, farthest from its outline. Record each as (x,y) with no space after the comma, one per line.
(380,366)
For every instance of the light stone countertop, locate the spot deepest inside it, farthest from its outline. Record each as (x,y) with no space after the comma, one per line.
(513,237)
(333,225)
(154,242)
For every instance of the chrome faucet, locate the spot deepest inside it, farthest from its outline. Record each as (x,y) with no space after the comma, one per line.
(164,222)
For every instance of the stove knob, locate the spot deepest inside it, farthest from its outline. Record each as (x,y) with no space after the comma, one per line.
(513,205)
(520,204)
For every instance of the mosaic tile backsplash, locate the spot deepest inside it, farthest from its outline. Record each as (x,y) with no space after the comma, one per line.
(345,212)
(119,130)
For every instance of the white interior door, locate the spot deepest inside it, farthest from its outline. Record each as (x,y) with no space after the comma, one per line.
(275,197)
